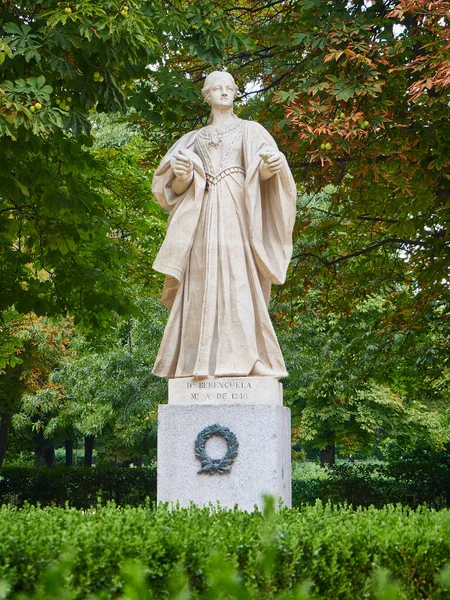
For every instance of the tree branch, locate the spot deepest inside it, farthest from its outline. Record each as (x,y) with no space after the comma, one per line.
(339,259)
(360,217)
(255,8)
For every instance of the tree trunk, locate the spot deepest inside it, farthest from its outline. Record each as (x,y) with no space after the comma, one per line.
(68,444)
(49,457)
(39,456)
(88,448)
(328,455)
(4,425)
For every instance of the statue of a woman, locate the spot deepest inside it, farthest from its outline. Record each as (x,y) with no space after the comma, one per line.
(232,201)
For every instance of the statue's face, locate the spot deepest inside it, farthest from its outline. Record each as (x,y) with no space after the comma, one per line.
(221,94)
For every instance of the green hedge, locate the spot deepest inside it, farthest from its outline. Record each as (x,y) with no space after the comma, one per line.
(377,485)
(359,485)
(356,490)
(339,551)
(80,487)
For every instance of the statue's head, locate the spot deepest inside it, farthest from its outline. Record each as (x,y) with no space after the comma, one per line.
(215,77)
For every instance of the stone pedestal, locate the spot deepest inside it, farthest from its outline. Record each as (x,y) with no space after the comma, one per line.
(251,410)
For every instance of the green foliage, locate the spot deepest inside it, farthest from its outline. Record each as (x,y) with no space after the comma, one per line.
(423,467)
(202,553)
(71,62)
(68,226)
(307,469)
(105,389)
(33,349)
(198,37)
(70,239)
(372,484)
(84,244)
(373,374)
(357,97)
(80,487)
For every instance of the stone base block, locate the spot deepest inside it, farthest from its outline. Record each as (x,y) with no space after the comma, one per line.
(262,464)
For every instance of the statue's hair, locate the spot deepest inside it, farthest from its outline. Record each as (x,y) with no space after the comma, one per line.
(212,78)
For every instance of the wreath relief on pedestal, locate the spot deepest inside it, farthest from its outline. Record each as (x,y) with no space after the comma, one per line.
(216,465)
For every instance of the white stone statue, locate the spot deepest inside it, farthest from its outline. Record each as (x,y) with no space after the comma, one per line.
(232,199)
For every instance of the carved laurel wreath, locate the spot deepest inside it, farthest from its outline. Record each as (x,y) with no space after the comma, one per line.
(216,465)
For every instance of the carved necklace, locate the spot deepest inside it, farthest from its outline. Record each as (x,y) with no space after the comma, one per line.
(215,134)
(216,139)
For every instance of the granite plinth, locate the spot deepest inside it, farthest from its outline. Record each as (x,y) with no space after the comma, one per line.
(262,465)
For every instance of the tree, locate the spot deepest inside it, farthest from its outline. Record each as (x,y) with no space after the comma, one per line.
(124,185)
(72,217)
(61,226)
(39,345)
(356,382)
(368,122)
(104,392)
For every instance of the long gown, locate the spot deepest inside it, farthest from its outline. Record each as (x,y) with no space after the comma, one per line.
(219,324)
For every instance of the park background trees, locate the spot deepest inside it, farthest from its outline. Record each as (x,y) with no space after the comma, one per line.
(70,226)
(356,94)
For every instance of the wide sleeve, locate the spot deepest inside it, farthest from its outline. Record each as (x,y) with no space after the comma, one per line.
(271,206)
(185,211)
(164,176)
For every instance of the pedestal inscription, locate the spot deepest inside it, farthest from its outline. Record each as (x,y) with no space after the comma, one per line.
(226,390)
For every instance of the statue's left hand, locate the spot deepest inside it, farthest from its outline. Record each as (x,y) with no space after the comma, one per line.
(270,165)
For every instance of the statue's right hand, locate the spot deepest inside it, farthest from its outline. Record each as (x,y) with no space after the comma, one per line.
(182,167)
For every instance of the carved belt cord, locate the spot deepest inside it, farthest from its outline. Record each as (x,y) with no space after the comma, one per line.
(214,179)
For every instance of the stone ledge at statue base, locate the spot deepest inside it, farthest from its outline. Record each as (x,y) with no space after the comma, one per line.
(262,464)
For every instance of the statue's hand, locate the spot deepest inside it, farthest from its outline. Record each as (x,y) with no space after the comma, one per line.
(270,165)
(182,167)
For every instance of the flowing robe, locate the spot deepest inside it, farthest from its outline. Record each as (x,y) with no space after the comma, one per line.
(229,238)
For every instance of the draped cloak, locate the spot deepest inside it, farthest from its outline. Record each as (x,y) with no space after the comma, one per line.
(229,237)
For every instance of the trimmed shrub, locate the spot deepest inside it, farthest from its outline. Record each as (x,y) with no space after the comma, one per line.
(425,470)
(204,554)
(363,485)
(80,487)
(407,483)
(360,484)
